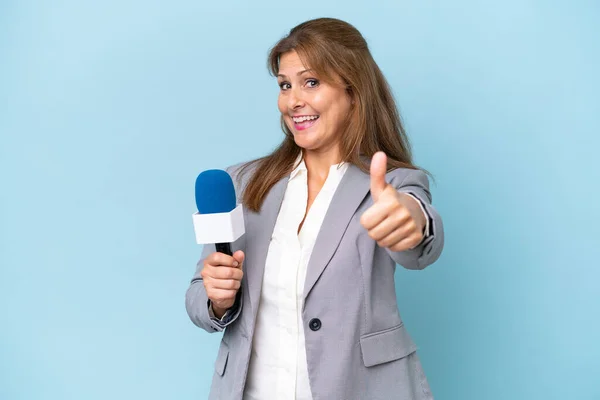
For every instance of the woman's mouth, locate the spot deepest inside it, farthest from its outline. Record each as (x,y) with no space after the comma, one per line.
(304,121)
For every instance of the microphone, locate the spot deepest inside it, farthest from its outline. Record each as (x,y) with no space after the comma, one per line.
(218,219)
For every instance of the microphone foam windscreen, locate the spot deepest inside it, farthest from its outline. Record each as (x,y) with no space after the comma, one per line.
(214,192)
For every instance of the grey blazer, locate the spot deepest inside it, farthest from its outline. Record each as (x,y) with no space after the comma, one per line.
(357,346)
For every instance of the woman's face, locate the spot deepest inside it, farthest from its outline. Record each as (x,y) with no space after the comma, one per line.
(313,110)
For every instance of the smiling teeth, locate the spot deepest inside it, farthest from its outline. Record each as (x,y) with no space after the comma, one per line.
(306,118)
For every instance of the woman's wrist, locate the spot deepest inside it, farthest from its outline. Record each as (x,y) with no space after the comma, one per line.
(218,311)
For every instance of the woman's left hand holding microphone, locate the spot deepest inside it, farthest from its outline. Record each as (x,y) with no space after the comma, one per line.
(222,276)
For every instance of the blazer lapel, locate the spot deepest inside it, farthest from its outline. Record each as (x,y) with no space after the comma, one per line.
(350,193)
(259,230)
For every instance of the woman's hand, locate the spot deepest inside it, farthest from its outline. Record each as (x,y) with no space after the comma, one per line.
(395,220)
(222,277)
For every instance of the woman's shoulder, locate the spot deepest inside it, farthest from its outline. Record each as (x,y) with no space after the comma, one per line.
(242,170)
(241,173)
(397,175)
(407,176)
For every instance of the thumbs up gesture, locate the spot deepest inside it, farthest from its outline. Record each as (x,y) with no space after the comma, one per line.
(395,220)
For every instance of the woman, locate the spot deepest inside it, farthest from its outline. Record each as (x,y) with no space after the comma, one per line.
(307,301)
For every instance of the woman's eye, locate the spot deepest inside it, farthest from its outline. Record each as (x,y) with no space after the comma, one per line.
(312,83)
(284,85)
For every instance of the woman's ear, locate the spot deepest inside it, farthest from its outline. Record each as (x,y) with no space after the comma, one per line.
(350,94)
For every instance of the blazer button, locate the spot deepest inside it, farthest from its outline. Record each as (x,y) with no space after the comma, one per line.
(315,324)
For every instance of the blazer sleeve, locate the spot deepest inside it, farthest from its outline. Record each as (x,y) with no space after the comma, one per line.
(429,250)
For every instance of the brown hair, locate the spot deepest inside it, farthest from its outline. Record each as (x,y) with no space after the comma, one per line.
(334,48)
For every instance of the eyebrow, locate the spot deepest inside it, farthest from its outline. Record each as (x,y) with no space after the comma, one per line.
(298,74)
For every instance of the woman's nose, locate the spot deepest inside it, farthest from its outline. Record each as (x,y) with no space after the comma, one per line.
(295,100)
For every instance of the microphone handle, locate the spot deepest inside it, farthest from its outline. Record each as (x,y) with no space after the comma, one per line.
(224,248)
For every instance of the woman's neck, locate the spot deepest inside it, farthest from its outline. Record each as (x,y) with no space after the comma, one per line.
(319,163)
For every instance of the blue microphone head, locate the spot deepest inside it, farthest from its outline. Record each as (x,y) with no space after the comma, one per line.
(214,192)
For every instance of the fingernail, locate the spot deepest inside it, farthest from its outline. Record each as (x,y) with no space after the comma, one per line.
(235,264)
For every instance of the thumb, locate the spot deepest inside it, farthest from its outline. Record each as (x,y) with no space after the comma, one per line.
(239,257)
(378,169)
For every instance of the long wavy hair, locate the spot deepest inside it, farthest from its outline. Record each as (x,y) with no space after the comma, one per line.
(335,49)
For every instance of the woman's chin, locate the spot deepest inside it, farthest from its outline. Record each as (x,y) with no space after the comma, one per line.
(301,139)
(304,143)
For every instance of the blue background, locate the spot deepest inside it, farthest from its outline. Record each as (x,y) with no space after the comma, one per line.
(109,110)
